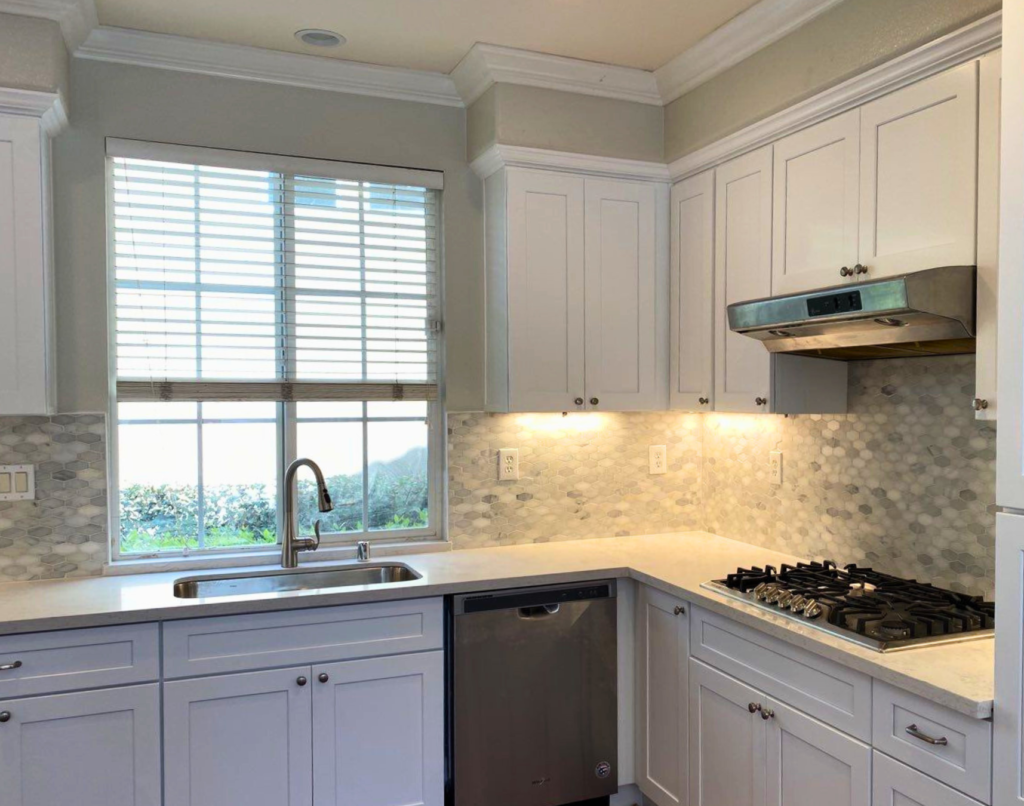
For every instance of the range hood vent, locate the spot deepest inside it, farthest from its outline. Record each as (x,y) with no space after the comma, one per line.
(928,312)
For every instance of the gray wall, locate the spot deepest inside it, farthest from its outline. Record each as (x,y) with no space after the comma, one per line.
(563,121)
(163,106)
(32,54)
(849,39)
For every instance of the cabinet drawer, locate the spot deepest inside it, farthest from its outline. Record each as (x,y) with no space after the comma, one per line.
(832,693)
(903,724)
(49,662)
(895,784)
(265,640)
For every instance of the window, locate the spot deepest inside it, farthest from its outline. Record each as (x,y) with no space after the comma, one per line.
(265,309)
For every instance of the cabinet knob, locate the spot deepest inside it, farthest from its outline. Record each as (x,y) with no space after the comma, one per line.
(679,610)
(578,401)
(859,269)
(324,677)
(703,401)
(767,713)
(302,681)
(979,404)
(5,716)
(594,401)
(761,401)
(846,272)
(754,707)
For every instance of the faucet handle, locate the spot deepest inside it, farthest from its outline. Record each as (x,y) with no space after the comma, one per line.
(316,531)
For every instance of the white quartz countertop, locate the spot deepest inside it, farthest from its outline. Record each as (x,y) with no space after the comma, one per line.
(959,676)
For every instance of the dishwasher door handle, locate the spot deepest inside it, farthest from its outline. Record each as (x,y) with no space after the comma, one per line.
(538,612)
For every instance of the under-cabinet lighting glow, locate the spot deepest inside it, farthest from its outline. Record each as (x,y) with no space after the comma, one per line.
(569,422)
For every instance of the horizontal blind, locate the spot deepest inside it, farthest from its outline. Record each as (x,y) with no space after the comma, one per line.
(243,284)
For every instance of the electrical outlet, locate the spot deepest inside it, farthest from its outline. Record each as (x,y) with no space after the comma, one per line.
(658,459)
(775,467)
(508,464)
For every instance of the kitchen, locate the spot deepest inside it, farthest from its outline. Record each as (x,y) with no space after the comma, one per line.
(515,291)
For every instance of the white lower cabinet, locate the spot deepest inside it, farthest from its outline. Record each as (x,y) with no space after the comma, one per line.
(750,750)
(663,638)
(896,784)
(378,732)
(239,740)
(94,748)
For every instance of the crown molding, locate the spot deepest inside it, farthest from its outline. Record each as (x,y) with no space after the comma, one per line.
(259,64)
(48,107)
(504,156)
(756,28)
(960,46)
(76,17)
(485,65)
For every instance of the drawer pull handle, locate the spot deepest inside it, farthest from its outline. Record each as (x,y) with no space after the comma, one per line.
(7,667)
(942,741)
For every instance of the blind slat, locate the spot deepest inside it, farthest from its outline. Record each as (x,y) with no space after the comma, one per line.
(241,284)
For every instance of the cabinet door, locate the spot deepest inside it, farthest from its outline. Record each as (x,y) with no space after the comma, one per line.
(662,697)
(816,210)
(990,83)
(545,291)
(810,763)
(692,378)
(895,784)
(622,321)
(97,748)
(727,740)
(1008,721)
(919,175)
(378,732)
(239,740)
(743,271)
(26,360)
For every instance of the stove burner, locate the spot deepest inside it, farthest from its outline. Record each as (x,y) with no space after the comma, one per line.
(872,604)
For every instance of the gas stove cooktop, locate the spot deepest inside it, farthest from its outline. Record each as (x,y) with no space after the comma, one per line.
(867,607)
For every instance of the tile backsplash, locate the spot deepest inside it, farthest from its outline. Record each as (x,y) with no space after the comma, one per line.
(905,481)
(63,532)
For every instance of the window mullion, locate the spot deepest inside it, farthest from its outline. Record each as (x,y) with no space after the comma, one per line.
(287,365)
(197,257)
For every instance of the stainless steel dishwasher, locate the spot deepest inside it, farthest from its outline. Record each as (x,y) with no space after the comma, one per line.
(533,696)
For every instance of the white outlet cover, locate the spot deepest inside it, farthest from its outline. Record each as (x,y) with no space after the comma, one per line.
(658,459)
(775,467)
(508,464)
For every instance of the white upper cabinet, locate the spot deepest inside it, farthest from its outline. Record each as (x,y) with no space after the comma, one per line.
(577,282)
(989,86)
(545,291)
(816,205)
(692,374)
(621,295)
(743,271)
(27,384)
(919,175)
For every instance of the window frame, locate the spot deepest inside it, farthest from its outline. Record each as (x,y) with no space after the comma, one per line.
(286,419)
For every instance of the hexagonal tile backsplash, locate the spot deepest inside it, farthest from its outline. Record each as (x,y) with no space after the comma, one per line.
(905,481)
(63,532)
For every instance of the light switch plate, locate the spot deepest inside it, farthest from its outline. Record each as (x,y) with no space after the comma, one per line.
(17,482)
(775,467)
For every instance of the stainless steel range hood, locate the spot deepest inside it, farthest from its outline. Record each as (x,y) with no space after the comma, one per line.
(928,312)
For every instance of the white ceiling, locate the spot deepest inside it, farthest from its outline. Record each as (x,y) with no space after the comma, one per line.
(436,34)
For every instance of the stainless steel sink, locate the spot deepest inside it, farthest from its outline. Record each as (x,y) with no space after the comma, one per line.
(278,581)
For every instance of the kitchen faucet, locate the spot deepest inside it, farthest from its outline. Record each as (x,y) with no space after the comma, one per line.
(292,544)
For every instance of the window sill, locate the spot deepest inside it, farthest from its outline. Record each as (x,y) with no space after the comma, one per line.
(327,553)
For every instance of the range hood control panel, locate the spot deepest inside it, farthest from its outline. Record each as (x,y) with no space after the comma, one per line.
(831,304)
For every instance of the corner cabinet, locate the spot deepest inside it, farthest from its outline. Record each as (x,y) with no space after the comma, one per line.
(577,281)
(27,367)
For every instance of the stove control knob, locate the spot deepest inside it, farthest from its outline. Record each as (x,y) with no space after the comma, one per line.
(812,609)
(798,603)
(785,598)
(761,586)
(775,595)
(763,591)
